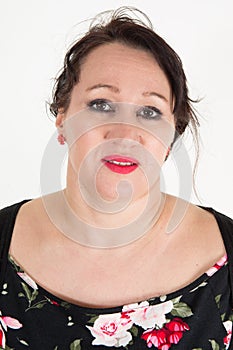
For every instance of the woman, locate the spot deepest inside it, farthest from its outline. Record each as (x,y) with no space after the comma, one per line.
(110,261)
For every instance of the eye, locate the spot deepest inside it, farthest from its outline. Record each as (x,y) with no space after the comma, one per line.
(101,105)
(149,112)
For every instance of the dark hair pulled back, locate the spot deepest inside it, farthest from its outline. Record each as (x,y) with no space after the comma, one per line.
(119,26)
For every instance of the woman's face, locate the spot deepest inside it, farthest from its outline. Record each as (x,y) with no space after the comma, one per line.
(119,123)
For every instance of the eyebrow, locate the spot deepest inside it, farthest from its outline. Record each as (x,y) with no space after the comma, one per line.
(152,93)
(116,90)
(100,86)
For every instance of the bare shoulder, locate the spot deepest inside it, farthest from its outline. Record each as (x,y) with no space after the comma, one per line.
(204,218)
(193,215)
(29,214)
(31,220)
(199,229)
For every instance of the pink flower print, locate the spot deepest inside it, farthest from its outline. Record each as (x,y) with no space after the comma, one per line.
(228,327)
(111,330)
(10,322)
(148,316)
(28,280)
(6,321)
(217,266)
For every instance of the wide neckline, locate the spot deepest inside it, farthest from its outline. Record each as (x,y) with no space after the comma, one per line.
(151,301)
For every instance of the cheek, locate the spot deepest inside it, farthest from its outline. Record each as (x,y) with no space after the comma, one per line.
(159,136)
(157,150)
(80,148)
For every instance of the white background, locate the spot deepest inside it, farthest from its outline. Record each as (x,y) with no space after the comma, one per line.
(34,38)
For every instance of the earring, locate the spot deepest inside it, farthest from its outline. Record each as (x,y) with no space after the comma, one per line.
(61,139)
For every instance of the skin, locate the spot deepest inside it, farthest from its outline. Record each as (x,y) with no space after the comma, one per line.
(112,277)
(129,76)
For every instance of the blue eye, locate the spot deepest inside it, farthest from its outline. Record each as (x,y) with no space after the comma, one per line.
(101,105)
(149,112)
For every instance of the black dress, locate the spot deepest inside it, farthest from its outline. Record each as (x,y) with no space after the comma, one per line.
(197,317)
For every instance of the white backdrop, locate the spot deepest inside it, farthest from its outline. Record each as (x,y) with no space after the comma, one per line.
(34,39)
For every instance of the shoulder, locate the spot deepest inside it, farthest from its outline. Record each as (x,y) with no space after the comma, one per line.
(224,222)
(217,221)
(8,214)
(21,214)
(199,227)
(202,216)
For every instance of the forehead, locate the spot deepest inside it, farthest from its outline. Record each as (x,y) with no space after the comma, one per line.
(125,65)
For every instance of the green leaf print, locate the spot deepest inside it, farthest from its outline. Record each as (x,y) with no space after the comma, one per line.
(65,305)
(26,290)
(181,310)
(34,295)
(217,300)
(6,348)
(38,305)
(176,300)
(134,331)
(31,296)
(76,345)
(93,319)
(223,316)
(214,345)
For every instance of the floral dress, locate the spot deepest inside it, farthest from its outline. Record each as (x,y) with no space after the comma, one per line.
(196,317)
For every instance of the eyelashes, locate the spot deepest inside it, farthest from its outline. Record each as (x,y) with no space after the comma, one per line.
(107,107)
(149,112)
(101,105)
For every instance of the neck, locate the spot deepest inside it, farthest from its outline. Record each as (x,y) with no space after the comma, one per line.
(120,225)
(147,205)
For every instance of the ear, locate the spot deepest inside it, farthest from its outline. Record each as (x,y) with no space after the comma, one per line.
(60,118)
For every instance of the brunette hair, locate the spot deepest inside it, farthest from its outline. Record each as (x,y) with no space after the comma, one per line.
(119,26)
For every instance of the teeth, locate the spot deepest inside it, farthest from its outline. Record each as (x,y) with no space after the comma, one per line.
(120,163)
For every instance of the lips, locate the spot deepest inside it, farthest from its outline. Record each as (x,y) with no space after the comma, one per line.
(120,164)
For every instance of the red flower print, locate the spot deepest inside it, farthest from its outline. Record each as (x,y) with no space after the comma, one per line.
(125,316)
(175,337)
(177,325)
(158,338)
(228,327)
(163,338)
(2,338)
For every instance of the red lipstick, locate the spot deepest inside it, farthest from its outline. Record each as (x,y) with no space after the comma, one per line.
(120,164)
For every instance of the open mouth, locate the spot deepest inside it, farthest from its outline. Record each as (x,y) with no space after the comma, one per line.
(120,164)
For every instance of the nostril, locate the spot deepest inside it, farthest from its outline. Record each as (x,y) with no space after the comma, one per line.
(124,133)
(106,135)
(140,139)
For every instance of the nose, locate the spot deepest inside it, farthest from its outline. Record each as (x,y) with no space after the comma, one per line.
(124,131)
